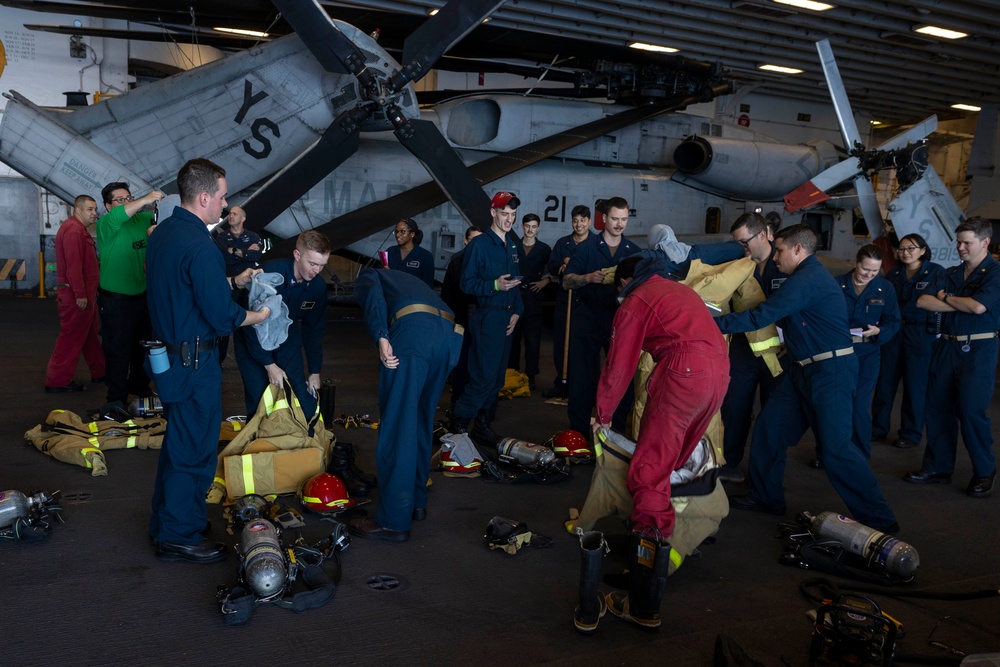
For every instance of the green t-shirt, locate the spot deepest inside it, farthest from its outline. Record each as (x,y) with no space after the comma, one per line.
(121,245)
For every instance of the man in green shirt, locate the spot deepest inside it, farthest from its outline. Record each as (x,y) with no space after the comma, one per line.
(121,299)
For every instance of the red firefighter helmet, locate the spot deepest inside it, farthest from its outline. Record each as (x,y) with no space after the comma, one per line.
(325,493)
(453,468)
(570,443)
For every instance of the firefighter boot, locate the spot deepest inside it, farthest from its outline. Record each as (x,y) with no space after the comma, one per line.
(649,561)
(482,431)
(370,480)
(592,607)
(457,425)
(340,465)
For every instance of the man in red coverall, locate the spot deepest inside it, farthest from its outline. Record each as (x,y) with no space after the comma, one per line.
(77,277)
(671,322)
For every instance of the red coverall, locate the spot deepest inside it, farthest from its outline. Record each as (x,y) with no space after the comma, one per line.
(671,322)
(76,266)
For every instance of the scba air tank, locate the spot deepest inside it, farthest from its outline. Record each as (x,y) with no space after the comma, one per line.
(512,450)
(15,505)
(878,548)
(264,568)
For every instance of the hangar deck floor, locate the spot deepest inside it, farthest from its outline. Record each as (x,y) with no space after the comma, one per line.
(94,594)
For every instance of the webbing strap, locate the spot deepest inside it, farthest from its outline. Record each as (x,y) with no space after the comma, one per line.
(239,604)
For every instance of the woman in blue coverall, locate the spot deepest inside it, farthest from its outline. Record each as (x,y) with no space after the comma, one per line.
(873,316)
(908,355)
(407,255)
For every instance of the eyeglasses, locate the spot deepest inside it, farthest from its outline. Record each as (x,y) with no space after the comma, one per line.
(746,242)
(909,248)
(400,232)
(121,200)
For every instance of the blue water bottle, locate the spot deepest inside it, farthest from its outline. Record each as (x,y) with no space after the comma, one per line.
(158,360)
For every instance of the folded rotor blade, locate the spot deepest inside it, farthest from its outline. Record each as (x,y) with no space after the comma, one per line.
(334,51)
(869,205)
(442,31)
(835,84)
(427,144)
(337,143)
(921,130)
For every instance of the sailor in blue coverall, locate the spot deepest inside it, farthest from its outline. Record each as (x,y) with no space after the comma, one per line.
(418,346)
(819,391)
(534,259)
(964,362)
(561,252)
(747,372)
(419,261)
(593,313)
(875,311)
(908,355)
(304,292)
(190,305)
(489,273)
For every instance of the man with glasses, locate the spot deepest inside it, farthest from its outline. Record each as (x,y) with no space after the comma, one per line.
(747,371)
(963,363)
(121,298)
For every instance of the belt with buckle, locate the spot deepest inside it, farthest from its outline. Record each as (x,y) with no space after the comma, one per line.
(421,308)
(970,337)
(823,356)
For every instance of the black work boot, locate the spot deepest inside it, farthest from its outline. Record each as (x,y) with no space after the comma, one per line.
(592,606)
(365,477)
(340,465)
(457,424)
(482,430)
(649,563)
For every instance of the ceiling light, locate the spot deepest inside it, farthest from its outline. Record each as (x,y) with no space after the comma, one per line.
(966,107)
(432,12)
(806,4)
(652,47)
(240,31)
(875,122)
(940,32)
(779,69)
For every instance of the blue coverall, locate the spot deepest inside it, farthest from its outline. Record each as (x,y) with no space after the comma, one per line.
(427,346)
(590,331)
(876,305)
(810,309)
(459,302)
(961,381)
(746,373)
(487,258)
(419,262)
(534,266)
(907,356)
(306,303)
(189,301)
(563,248)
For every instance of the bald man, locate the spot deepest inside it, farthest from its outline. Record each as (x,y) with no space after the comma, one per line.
(241,248)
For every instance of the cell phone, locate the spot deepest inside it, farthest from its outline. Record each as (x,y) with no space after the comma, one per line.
(517,278)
